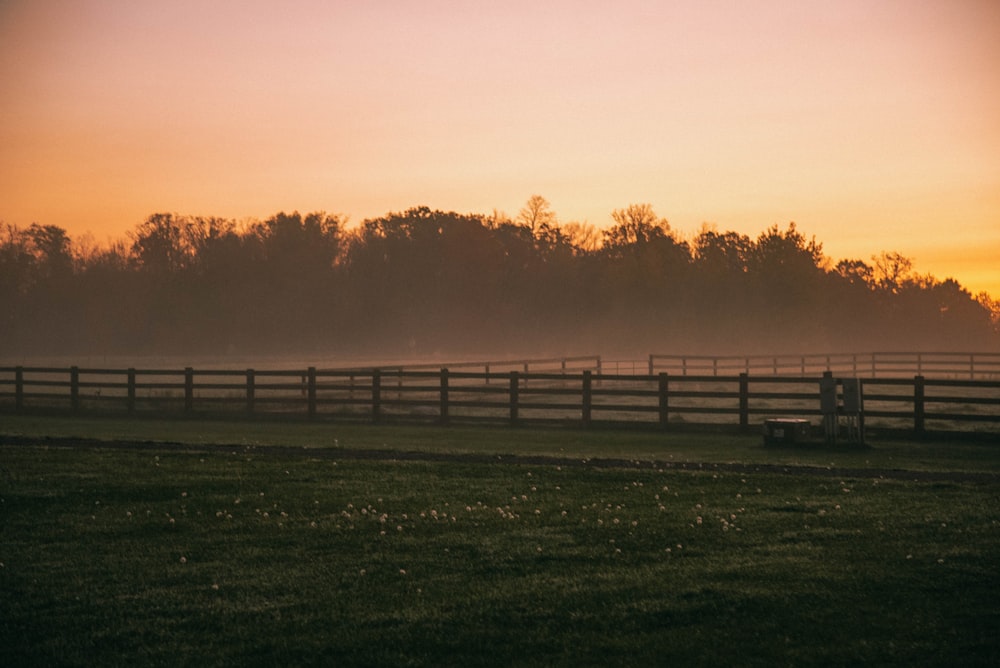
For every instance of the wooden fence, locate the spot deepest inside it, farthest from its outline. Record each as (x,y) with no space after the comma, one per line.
(973,366)
(919,405)
(538,365)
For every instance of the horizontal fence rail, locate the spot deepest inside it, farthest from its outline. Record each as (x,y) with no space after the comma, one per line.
(919,404)
(537,365)
(973,366)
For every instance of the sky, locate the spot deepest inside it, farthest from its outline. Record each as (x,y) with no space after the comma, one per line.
(874,125)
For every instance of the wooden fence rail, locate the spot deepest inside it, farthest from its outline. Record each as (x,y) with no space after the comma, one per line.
(919,404)
(528,365)
(983,365)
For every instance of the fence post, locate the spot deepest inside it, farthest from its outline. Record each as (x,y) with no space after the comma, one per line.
(130,402)
(664,393)
(250,391)
(376,396)
(587,398)
(74,388)
(444,396)
(311,391)
(514,392)
(19,388)
(744,401)
(918,405)
(189,391)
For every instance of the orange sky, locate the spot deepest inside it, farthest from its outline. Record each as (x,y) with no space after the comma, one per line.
(875,125)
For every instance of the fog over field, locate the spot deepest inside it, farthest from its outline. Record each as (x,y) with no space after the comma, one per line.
(428,286)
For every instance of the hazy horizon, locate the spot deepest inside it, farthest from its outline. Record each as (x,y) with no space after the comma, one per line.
(873,125)
(433,284)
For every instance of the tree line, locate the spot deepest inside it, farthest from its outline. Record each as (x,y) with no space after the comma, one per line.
(422,281)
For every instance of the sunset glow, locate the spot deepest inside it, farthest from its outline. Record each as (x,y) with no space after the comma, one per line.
(874,125)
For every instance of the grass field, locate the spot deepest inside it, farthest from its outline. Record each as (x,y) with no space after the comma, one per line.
(160,556)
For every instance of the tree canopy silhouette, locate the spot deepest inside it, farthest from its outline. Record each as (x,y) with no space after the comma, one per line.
(424,281)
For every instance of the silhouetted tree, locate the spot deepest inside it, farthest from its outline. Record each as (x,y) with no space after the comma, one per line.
(423,281)
(643,270)
(583,237)
(720,264)
(856,272)
(788,250)
(158,244)
(116,310)
(634,226)
(992,307)
(891,271)
(536,214)
(722,253)
(51,249)
(294,285)
(17,261)
(786,274)
(424,275)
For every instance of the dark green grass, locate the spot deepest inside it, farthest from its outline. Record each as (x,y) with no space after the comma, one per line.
(940,455)
(154,557)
